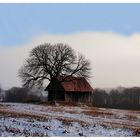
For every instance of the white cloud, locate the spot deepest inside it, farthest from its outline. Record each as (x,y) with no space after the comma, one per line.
(115,58)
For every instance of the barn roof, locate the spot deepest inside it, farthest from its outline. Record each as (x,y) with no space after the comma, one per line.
(78,84)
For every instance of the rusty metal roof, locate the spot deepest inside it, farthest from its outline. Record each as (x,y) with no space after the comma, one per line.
(77,84)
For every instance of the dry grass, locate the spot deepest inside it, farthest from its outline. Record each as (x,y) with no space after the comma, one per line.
(97,113)
(132,117)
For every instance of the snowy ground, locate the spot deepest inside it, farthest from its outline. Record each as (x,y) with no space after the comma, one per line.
(38,120)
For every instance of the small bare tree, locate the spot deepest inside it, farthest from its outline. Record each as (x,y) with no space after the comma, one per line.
(52,61)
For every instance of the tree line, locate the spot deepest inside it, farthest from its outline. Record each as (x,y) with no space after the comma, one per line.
(119,98)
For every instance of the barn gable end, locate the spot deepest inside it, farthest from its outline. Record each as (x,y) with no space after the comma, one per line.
(55,91)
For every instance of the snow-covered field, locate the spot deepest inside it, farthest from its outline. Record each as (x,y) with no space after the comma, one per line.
(18,119)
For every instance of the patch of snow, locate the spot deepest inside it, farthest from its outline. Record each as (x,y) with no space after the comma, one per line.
(25,127)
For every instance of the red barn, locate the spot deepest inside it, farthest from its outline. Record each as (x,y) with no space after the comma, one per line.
(77,89)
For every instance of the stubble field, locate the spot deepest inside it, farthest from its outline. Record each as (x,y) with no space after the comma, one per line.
(18,119)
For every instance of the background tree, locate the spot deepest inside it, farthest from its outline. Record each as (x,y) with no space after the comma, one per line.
(18,94)
(52,61)
(100,98)
(2,95)
(0,88)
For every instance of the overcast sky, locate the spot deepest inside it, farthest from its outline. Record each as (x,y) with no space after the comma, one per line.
(107,34)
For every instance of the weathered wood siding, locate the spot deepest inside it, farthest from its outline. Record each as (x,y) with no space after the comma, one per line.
(77,97)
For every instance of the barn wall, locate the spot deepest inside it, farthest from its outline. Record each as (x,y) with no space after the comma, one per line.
(78,97)
(56,95)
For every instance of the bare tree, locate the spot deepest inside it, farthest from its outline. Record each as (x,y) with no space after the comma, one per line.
(49,62)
